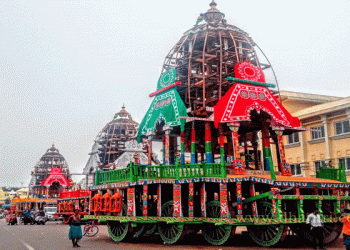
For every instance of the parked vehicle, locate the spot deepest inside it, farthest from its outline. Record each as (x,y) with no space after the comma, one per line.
(50,211)
(25,219)
(38,219)
(12,220)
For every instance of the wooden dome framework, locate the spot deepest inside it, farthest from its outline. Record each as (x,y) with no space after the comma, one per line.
(205,56)
(111,139)
(50,160)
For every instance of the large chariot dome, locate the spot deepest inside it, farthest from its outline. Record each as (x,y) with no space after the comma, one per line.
(206,55)
(110,141)
(51,162)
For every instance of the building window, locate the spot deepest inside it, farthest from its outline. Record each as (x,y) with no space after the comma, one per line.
(293,138)
(342,127)
(319,164)
(345,162)
(296,169)
(317,134)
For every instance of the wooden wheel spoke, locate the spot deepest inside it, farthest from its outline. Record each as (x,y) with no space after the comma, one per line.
(270,233)
(170,234)
(215,235)
(266,235)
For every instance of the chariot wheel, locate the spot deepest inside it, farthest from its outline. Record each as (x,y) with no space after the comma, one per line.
(267,235)
(170,233)
(119,231)
(215,235)
(331,232)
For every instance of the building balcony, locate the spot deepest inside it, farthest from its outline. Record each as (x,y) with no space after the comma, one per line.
(332,173)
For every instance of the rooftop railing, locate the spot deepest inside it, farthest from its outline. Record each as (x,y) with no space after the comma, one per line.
(336,174)
(176,171)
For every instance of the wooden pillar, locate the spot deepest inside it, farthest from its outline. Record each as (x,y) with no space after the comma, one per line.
(177,200)
(239,199)
(190,199)
(149,152)
(208,148)
(223,200)
(131,201)
(235,141)
(182,146)
(319,206)
(238,164)
(193,145)
(254,205)
(145,201)
(222,143)
(246,152)
(300,204)
(274,206)
(167,146)
(164,150)
(256,154)
(203,200)
(159,200)
(148,146)
(284,166)
(267,149)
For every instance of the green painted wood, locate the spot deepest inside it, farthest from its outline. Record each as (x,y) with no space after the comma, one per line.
(279,209)
(258,197)
(177,171)
(270,85)
(337,207)
(332,173)
(245,221)
(307,197)
(301,214)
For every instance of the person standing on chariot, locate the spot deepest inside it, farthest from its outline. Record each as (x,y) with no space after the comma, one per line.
(346,229)
(75,233)
(316,223)
(330,164)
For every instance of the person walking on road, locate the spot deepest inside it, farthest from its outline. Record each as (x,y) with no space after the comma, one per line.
(346,228)
(75,233)
(316,224)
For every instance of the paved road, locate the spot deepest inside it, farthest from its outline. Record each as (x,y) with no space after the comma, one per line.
(54,235)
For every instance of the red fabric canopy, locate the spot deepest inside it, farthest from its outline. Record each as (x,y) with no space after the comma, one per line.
(56,175)
(237,103)
(248,71)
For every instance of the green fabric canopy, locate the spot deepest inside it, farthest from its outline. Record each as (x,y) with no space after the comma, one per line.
(166,106)
(166,79)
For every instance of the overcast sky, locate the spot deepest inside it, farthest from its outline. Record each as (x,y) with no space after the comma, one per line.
(66,66)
